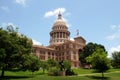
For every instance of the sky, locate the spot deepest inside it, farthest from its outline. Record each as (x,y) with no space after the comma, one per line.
(98,21)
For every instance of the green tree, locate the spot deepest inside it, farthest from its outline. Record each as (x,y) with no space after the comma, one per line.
(116,59)
(44,65)
(67,65)
(99,61)
(29,62)
(64,65)
(51,62)
(12,47)
(88,50)
(34,64)
(53,67)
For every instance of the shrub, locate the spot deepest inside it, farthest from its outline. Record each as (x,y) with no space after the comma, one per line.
(70,72)
(54,72)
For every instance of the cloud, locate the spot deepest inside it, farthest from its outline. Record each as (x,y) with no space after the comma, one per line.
(115,27)
(113,36)
(68,24)
(72,39)
(113,49)
(21,2)
(116,34)
(4,25)
(35,42)
(5,8)
(54,12)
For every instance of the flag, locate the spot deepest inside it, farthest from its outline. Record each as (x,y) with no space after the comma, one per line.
(77,32)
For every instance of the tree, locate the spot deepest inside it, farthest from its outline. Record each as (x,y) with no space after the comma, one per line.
(67,65)
(88,50)
(64,65)
(51,62)
(53,70)
(44,65)
(30,62)
(12,47)
(67,68)
(116,59)
(99,61)
(34,63)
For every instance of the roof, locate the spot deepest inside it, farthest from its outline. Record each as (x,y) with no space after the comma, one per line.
(43,47)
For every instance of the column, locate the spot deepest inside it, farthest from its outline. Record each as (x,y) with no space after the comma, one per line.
(59,34)
(65,35)
(55,35)
(62,34)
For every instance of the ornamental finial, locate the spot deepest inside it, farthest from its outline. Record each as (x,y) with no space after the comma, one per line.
(59,15)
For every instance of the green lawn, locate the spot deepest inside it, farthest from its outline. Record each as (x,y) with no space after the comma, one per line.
(83,74)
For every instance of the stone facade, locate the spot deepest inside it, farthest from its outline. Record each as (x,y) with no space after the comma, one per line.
(61,47)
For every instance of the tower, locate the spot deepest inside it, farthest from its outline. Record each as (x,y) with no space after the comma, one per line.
(59,33)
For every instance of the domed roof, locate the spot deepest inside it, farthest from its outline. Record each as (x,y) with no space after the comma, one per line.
(60,21)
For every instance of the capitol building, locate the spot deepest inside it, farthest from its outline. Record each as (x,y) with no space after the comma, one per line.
(61,47)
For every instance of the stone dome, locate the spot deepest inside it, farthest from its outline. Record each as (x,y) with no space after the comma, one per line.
(59,33)
(60,22)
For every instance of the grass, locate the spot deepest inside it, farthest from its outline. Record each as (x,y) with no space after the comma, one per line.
(83,74)
(83,71)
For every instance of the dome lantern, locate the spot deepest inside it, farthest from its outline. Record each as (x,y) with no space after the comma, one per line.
(59,15)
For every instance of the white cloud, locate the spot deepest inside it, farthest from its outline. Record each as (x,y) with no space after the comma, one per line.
(72,39)
(5,8)
(12,24)
(68,24)
(54,12)
(4,25)
(35,42)
(115,27)
(21,2)
(113,49)
(116,33)
(113,36)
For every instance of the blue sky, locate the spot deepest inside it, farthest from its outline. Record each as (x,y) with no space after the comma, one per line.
(98,21)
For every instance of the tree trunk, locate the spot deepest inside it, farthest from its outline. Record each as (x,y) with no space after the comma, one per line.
(102,74)
(3,71)
(43,70)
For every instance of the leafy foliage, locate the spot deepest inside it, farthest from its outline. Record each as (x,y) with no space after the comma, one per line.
(88,50)
(44,65)
(67,68)
(64,67)
(30,62)
(67,65)
(54,72)
(116,59)
(99,60)
(51,62)
(12,47)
